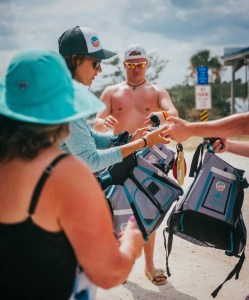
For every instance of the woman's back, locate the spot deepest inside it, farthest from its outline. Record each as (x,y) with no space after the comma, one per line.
(37,261)
(47,225)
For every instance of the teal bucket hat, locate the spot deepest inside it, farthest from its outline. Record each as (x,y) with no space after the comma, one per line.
(39,88)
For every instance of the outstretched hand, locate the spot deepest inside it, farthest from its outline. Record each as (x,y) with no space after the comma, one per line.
(179,131)
(139,133)
(157,136)
(220,146)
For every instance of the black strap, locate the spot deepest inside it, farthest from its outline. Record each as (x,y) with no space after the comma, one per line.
(235,271)
(194,165)
(147,193)
(168,247)
(42,181)
(139,222)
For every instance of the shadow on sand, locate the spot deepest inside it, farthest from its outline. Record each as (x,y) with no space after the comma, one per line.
(165,292)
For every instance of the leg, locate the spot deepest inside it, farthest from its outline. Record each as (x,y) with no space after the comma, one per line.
(149,253)
(155,276)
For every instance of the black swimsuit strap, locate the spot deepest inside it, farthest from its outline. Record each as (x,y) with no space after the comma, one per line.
(42,180)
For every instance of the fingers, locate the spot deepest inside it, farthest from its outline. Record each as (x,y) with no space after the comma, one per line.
(110,121)
(163,128)
(172,119)
(164,140)
(148,121)
(131,223)
(143,129)
(218,146)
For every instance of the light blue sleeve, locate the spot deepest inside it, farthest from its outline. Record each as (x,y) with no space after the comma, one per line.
(86,144)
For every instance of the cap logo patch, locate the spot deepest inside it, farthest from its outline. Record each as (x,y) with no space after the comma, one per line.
(95,41)
(135,52)
(23,85)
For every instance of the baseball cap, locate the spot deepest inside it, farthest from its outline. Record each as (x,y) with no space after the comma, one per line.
(134,51)
(82,40)
(39,88)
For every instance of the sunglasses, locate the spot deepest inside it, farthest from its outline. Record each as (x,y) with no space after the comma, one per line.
(139,65)
(96,64)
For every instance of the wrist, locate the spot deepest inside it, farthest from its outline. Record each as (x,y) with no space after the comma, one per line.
(130,138)
(144,142)
(129,250)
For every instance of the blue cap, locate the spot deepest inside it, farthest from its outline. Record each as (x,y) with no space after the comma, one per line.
(39,88)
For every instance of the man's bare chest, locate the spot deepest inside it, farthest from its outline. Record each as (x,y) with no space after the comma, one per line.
(134,100)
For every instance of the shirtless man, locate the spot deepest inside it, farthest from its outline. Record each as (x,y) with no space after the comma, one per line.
(127,105)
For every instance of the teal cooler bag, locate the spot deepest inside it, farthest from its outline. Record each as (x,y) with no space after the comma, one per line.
(147,193)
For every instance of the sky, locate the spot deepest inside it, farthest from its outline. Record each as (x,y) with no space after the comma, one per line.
(172,29)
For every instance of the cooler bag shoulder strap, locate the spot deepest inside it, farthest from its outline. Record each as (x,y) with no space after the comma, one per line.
(235,271)
(194,168)
(136,214)
(168,247)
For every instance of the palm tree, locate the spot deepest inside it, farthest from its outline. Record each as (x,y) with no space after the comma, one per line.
(202,58)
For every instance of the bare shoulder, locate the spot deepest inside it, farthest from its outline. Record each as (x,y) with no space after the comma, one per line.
(72,180)
(70,169)
(159,89)
(114,87)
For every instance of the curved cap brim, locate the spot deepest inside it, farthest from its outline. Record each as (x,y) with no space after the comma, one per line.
(102,54)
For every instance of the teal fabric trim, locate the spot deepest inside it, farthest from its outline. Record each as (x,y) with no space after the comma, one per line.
(111,191)
(181,223)
(203,191)
(210,148)
(139,211)
(128,195)
(231,203)
(146,171)
(145,151)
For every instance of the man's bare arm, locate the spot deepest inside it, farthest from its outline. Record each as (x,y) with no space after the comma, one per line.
(234,125)
(235,147)
(166,107)
(165,103)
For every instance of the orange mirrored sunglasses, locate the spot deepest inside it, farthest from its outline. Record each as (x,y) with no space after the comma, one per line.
(139,65)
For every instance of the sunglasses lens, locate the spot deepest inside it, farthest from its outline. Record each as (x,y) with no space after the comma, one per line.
(131,66)
(96,64)
(142,65)
(138,65)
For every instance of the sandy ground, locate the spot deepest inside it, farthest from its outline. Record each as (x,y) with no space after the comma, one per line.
(195,271)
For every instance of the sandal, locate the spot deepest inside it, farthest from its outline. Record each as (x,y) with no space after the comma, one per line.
(155,275)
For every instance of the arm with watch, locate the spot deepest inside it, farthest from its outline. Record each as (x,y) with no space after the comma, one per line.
(148,140)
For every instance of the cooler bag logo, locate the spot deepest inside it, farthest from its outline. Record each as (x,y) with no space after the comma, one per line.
(152,158)
(123,226)
(220,186)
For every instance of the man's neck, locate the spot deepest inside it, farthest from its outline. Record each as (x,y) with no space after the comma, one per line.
(134,85)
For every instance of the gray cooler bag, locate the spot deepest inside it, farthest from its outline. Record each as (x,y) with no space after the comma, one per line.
(160,156)
(146,192)
(209,214)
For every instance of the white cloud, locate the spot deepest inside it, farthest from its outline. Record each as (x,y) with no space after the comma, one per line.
(175,29)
